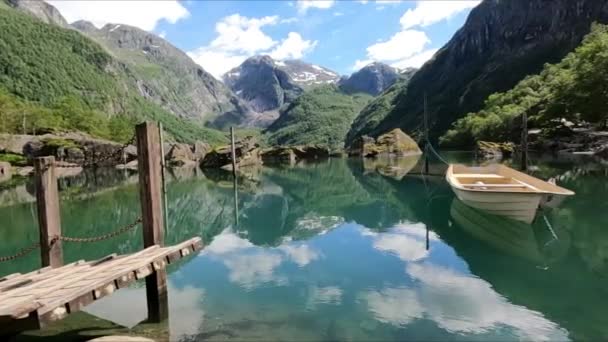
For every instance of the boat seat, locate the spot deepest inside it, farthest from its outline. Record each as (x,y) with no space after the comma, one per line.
(480,175)
(497,185)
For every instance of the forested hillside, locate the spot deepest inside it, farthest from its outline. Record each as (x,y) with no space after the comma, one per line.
(575,89)
(322,115)
(57,79)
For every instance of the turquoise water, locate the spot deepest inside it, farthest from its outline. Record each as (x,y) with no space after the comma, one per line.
(342,250)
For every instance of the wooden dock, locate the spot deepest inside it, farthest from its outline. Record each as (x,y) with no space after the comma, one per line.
(32,300)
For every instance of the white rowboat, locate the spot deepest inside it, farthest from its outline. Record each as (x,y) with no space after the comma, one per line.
(500,190)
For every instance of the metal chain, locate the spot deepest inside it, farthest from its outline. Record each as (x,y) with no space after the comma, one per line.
(23,252)
(27,250)
(101,237)
(103,158)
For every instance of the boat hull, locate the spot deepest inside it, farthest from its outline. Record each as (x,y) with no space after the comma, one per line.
(518,206)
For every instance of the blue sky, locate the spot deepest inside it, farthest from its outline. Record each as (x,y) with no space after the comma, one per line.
(341,35)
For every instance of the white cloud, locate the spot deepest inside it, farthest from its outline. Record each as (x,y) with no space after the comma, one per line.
(429,12)
(406,241)
(162,34)
(292,47)
(239,38)
(251,270)
(226,242)
(301,255)
(363,1)
(401,45)
(324,295)
(388,2)
(143,14)
(338,14)
(457,303)
(415,61)
(304,5)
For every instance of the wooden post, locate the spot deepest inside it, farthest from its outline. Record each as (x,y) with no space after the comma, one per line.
(233,151)
(524,142)
(49,220)
(150,196)
(163,164)
(236,201)
(426,139)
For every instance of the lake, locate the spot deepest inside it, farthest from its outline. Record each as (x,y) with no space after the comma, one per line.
(346,250)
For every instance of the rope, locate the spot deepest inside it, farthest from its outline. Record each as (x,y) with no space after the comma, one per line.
(428,143)
(101,237)
(550,227)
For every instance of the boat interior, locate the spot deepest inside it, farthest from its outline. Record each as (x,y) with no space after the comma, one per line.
(499,178)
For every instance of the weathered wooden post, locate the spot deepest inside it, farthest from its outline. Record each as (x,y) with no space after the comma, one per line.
(49,220)
(150,195)
(163,164)
(426,139)
(524,142)
(233,151)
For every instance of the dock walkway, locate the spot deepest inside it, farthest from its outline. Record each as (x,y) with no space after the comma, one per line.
(32,300)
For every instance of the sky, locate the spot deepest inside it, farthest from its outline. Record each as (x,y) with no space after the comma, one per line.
(341,35)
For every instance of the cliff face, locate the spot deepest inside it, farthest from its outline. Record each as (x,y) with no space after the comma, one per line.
(41,10)
(166,75)
(372,79)
(500,43)
(267,85)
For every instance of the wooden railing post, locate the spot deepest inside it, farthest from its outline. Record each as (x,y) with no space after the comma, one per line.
(233,151)
(150,193)
(49,221)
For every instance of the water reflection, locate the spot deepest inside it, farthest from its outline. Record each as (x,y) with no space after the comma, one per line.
(334,250)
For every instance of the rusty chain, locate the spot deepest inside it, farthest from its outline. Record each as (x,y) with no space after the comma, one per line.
(102,159)
(27,250)
(101,237)
(23,252)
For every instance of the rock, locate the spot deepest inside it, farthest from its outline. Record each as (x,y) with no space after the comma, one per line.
(24,171)
(279,155)
(14,143)
(247,153)
(179,155)
(392,167)
(602,152)
(363,146)
(393,143)
(493,150)
(311,152)
(132,165)
(5,171)
(200,150)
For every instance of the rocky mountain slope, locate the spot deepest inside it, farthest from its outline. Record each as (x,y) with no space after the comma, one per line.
(500,43)
(165,75)
(80,83)
(321,116)
(373,79)
(39,9)
(266,84)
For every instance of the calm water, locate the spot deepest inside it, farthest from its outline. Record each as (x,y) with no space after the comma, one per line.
(340,250)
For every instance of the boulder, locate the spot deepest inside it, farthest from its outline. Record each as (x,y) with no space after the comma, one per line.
(180,155)
(24,171)
(363,146)
(279,155)
(5,171)
(311,152)
(602,152)
(247,153)
(14,143)
(494,151)
(200,150)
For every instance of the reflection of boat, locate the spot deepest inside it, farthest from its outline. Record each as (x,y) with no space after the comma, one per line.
(500,190)
(508,235)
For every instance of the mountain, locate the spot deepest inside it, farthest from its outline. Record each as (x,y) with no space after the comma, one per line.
(500,43)
(373,79)
(165,75)
(266,84)
(69,81)
(39,9)
(321,115)
(574,89)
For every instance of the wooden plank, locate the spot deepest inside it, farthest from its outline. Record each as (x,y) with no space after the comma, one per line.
(69,278)
(59,306)
(35,276)
(47,202)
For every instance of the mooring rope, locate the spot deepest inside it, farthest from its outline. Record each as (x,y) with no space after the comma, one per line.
(429,145)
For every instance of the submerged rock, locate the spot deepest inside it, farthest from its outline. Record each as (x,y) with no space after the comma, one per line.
(5,171)
(279,155)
